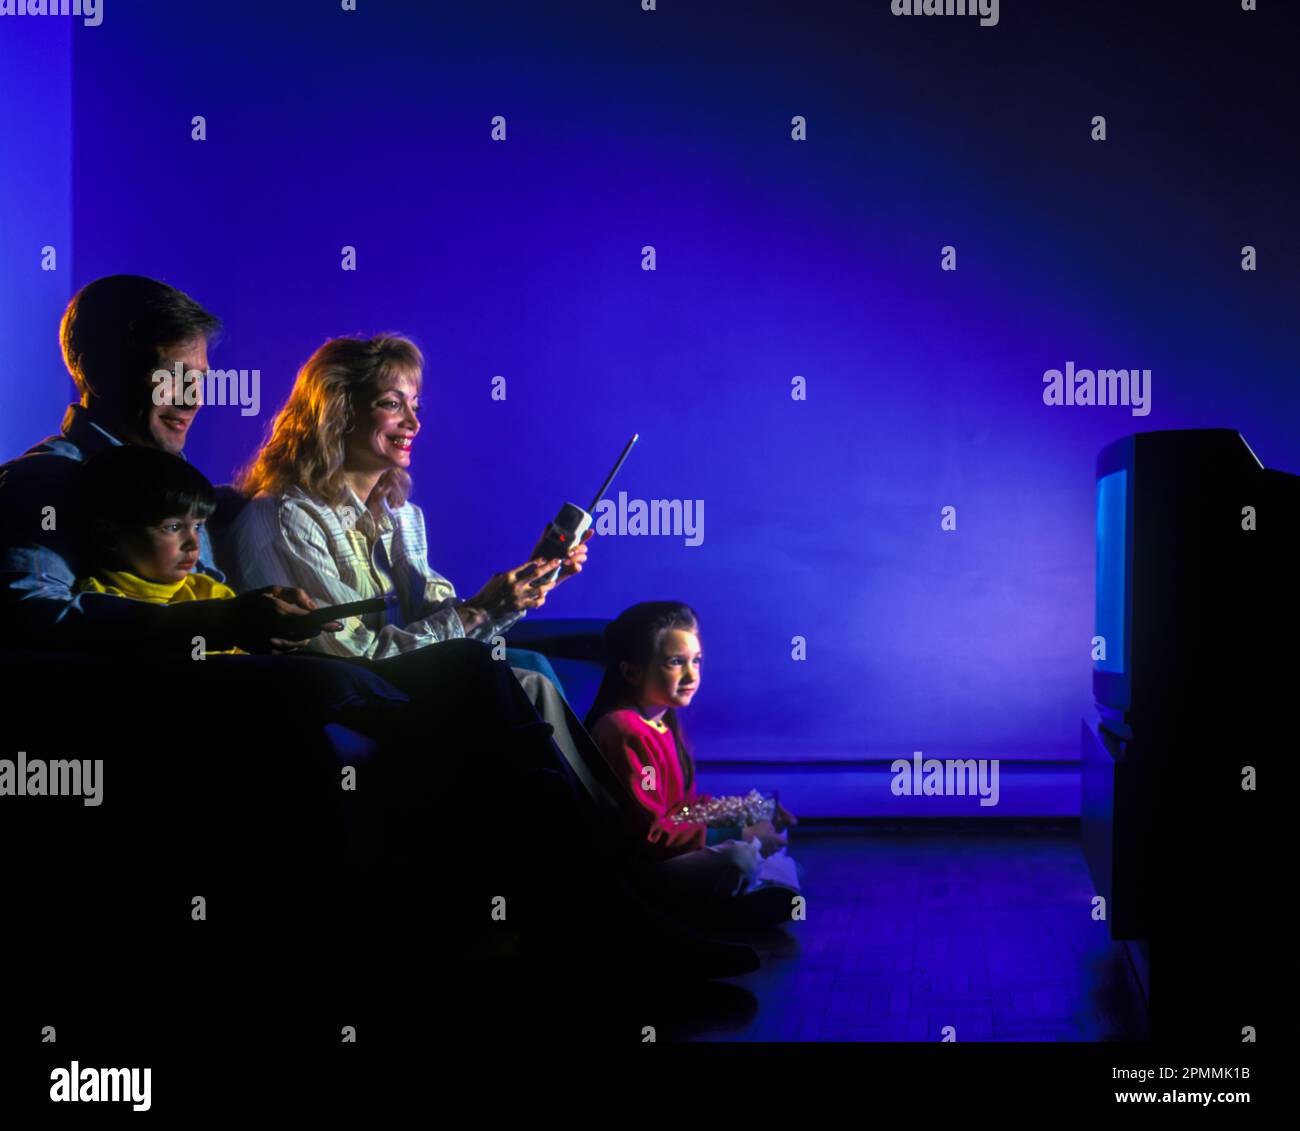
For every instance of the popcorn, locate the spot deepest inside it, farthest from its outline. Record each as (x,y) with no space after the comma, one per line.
(722,812)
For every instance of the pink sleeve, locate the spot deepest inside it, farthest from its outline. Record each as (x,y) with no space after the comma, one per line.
(631,754)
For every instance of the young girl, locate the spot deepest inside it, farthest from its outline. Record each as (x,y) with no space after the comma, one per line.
(652,672)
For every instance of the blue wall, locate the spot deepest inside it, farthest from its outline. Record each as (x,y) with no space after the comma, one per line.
(775,259)
(35,213)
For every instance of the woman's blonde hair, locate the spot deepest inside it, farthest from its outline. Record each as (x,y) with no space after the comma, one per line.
(306,441)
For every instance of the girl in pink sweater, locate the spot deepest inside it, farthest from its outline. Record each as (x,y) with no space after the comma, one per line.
(652,672)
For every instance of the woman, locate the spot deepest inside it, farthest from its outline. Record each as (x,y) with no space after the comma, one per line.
(328,513)
(329,508)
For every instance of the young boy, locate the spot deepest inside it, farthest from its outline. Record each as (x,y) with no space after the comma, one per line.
(142,512)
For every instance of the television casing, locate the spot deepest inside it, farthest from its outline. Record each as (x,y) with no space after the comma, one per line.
(1189,702)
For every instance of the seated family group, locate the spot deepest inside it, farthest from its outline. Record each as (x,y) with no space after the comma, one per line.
(322,517)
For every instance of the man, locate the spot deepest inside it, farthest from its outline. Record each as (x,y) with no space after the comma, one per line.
(116,333)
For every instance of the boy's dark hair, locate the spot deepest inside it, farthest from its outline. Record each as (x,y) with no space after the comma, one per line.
(113,329)
(134,486)
(634,636)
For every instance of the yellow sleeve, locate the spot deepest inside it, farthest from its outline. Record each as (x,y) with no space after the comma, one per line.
(205,588)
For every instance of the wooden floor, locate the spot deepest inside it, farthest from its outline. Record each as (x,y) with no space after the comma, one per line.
(910,931)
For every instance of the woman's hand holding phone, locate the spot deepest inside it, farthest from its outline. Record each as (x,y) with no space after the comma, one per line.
(523,588)
(569,565)
(512,591)
(577,558)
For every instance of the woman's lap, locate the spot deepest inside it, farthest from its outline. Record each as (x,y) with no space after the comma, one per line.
(536,662)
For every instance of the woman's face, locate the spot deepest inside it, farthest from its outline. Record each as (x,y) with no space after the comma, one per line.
(673,675)
(386,426)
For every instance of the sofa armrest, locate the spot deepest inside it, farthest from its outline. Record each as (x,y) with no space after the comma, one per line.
(561,638)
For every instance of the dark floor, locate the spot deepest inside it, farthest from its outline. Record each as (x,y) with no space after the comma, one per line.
(911,930)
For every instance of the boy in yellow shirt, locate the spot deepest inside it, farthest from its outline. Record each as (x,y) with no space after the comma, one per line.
(143,510)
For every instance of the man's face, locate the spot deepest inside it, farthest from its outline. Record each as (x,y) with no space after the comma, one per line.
(168,424)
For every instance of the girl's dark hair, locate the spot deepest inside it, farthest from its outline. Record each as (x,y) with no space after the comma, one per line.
(634,636)
(134,486)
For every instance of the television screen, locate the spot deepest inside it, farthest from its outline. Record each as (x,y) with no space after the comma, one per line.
(1112,558)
